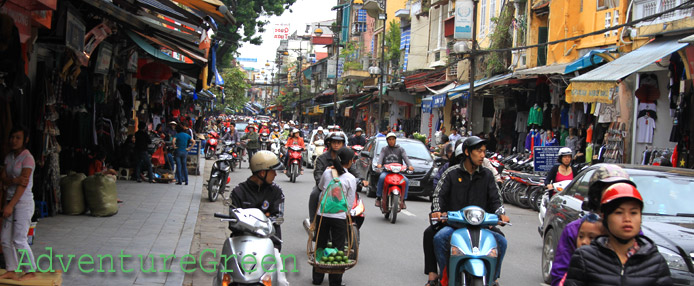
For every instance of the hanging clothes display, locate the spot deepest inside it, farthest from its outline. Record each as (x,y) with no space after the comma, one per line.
(535,115)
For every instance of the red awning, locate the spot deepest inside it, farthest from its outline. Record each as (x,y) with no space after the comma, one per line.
(419,82)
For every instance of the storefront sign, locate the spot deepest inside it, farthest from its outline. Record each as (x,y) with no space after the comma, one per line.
(74,33)
(178,93)
(252,60)
(281,31)
(438,101)
(103,63)
(426,106)
(545,157)
(431,123)
(590,92)
(463,19)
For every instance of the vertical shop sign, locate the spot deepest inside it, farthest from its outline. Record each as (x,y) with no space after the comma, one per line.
(463,20)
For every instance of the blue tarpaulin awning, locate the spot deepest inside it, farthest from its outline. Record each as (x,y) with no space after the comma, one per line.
(585,61)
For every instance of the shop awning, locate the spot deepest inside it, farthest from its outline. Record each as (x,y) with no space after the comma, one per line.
(188,69)
(338,103)
(632,62)
(215,8)
(542,70)
(599,85)
(462,90)
(587,60)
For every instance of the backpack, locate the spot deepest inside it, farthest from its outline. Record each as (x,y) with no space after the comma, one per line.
(333,200)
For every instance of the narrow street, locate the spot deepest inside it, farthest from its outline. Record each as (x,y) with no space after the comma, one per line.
(390,254)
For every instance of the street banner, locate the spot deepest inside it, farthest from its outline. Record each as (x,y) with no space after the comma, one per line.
(545,157)
(463,19)
(281,31)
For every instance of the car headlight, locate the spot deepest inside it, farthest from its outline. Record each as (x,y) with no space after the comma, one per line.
(474,216)
(435,171)
(673,259)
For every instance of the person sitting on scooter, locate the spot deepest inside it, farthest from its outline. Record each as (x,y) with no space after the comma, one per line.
(285,133)
(624,256)
(392,153)
(357,139)
(253,143)
(332,225)
(259,191)
(294,140)
(562,171)
(319,135)
(467,184)
(275,132)
(600,180)
(232,135)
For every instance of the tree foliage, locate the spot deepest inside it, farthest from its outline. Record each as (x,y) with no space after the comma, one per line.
(249,24)
(393,43)
(235,87)
(501,38)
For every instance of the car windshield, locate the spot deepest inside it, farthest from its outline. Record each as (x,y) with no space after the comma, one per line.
(414,149)
(241,125)
(666,195)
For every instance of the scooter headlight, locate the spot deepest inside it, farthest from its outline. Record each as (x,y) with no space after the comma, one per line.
(266,279)
(456,251)
(263,228)
(492,253)
(474,216)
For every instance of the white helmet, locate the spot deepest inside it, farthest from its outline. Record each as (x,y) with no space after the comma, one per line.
(391,134)
(320,128)
(358,130)
(295,130)
(564,151)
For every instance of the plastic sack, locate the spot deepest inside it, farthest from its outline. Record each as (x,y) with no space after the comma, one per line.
(333,200)
(101,195)
(72,194)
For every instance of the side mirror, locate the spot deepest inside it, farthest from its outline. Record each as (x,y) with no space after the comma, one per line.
(364,154)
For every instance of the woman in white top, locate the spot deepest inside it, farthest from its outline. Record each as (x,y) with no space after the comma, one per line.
(17,176)
(333,225)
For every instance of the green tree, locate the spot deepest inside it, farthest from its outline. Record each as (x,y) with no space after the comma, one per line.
(235,87)
(393,43)
(249,15)
(497,62)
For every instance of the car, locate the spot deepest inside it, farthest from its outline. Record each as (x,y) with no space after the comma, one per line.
(421,181)
(668,218)
(241,128)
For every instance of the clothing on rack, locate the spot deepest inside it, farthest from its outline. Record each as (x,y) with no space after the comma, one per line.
(645,127)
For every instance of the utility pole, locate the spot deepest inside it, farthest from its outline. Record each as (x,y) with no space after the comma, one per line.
(337,63)
(382,4)
(473,53)
(298,80)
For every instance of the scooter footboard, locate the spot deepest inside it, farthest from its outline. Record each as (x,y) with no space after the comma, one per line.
(473,252)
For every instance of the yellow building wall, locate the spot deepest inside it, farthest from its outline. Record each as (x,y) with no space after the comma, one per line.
(568,19)
(532,38)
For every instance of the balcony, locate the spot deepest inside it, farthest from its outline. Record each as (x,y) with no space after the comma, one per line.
(645,8)
(355,74)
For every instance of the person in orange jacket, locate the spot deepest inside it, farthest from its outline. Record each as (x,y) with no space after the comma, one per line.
(294,140)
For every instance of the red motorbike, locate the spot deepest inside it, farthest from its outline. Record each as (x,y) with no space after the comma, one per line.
(357,149)
(294,162)
(211,144)
(393,190)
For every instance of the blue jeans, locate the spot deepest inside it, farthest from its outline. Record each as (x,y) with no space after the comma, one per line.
(143,157)
(170,161)
(379,187)
(181,157)
(442,248)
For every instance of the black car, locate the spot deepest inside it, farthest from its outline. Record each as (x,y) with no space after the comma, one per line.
(668,216)
(421,181)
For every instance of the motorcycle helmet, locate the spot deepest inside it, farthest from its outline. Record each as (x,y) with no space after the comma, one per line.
(295,131)
(334,136)
(358,130)
(338,128)
(391,134)
(613,197)
(320,128)
(563,152)
(458,151)
(603,176)
(265,160)
(286,127)
(472,142)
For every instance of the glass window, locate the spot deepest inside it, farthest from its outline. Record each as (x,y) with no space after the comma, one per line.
(578,188)
(414,149)
(666,195)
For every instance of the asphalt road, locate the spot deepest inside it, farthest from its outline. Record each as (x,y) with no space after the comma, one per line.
(391,254)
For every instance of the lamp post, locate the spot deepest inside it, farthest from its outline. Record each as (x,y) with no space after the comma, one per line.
(382,16)
(473,51)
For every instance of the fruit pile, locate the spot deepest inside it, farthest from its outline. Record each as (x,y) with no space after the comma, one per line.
(331,255)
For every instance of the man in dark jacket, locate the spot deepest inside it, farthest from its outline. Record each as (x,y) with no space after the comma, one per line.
(253,139)
(392,153)
(142,142)
(259,191)
(467,184)
(358,138)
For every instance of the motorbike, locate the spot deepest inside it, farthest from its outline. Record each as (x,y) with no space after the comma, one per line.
(546,196)
(264,141)
(211,144)
(393,190)
(276,147)
(252,234)
(319,150)
(219,175)
(473,256)
(357,149)
(294,162)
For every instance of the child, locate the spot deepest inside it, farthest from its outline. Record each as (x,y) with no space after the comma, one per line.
(591,227)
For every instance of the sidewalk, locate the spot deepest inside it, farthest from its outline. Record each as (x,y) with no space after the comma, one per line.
(153,220)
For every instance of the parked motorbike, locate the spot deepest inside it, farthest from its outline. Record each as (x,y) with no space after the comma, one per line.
(393,190)
(294,162)
(219,175)
(264,141)
(472,261)
(211,144)
(546,196)
(252,233)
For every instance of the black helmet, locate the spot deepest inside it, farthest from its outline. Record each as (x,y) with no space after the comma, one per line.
(334,136)
(472,142)
(603,176)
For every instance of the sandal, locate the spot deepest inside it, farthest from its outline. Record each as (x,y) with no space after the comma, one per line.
(434,282)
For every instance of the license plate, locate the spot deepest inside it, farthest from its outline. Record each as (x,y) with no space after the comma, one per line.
(414,183)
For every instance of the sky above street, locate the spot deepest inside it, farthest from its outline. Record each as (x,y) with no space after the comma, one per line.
(303,12)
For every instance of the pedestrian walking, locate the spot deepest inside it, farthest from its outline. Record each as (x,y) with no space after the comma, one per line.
(183,143)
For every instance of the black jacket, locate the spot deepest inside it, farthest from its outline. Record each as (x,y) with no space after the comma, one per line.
(458,189)
(598,265)
(357,140)
(552,174)
(324,161)
(142,140)
(268,198)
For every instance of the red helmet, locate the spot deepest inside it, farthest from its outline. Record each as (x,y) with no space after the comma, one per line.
(620,190)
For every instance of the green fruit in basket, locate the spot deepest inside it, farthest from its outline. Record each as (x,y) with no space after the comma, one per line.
(340,253)
(330,244)
(331,259)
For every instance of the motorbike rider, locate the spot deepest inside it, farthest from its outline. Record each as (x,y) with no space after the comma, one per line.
(462,185)
(392,153)
(333,142)
(603,177)
(305,132)
(623,257)
(252,141)
(294,140)
(319,135)
(259,191)
(562,171)
(357,139)
(232,135)
(264,129)
(275,133)
(285,133)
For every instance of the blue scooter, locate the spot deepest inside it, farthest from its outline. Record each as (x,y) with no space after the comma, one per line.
(473,247)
